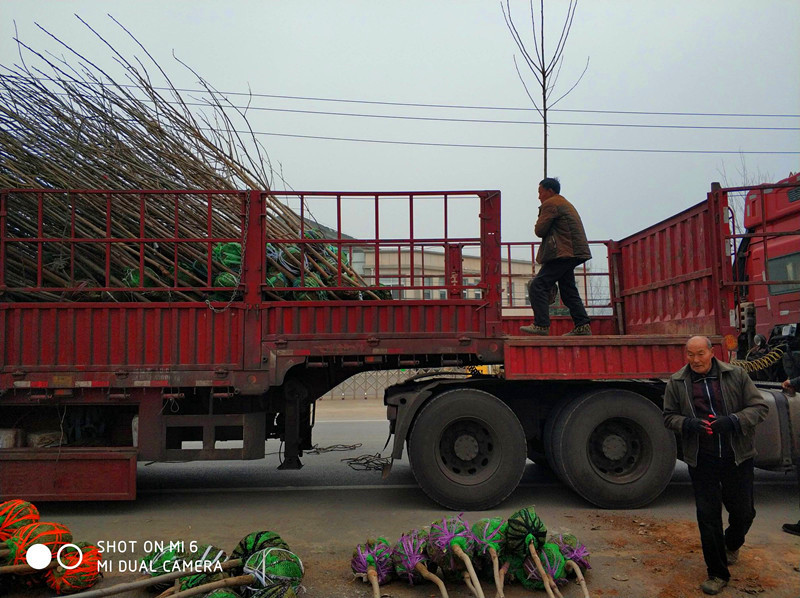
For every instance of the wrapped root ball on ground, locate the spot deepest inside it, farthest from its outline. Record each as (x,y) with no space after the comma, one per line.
(552,561)
(160,562)
(271,566)
(208,561)
(372,562)
(525,535)
(573,550)
(450,546)
(489,536)
(254,542)
(53,535)
(82,569)
(577,558)
(275,591)
(410,560)
(13,515)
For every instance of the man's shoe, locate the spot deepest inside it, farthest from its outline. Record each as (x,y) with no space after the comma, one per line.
(582,330)
(534,329)
(713,585)
(733,556)
(792,528)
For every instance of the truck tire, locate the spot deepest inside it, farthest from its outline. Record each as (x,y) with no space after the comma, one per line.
(467,449)
(612,448)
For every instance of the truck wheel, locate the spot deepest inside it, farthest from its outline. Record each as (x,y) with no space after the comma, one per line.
(612,448)
(467,449)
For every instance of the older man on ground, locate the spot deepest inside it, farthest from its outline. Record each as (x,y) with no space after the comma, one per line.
(715,407)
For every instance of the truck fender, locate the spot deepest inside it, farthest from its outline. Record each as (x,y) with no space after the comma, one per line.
(403,407)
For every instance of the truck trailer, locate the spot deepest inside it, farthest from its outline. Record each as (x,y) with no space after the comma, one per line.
(101,368)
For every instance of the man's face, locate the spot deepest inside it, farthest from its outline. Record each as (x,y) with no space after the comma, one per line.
(545,194)
(699,356)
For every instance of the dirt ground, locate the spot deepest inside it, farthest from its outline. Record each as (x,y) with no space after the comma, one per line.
(646,553)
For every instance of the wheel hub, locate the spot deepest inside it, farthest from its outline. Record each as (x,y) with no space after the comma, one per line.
(467,450)
(618,450)
(466,447)
(614,447)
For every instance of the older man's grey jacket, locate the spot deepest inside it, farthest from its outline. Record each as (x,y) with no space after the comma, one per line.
(741,399)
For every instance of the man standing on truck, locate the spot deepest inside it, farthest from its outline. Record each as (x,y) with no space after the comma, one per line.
(715,407)
(564,247)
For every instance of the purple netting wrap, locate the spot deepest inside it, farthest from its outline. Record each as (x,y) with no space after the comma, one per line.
(377,553)
(573,550)
(408,552)
(552,561)
(488,533)
(444,534)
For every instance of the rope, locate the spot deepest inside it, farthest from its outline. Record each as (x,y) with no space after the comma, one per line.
(367,462)
(762,363)
(318,450)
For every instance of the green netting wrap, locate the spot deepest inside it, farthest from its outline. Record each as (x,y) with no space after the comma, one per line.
(489,534)
(228,254)
(131,278)
(160,562)
(277,280)
(275,591)
(226,279)
(223,593)
(274,566)
(408,552)
(253,542)
(552,561)
(208,558)
(443,536)
(313,233)
(13,515)
(524,527)
(309,282)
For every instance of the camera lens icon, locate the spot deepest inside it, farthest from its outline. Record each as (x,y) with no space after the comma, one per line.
(39,557)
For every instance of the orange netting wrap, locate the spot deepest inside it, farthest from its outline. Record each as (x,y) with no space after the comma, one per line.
(13,515)
(53,535)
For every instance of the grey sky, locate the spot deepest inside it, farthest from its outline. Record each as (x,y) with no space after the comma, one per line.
(699,56)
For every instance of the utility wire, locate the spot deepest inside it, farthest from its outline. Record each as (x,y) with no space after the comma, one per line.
(455,106)
(470,120)
(523,147)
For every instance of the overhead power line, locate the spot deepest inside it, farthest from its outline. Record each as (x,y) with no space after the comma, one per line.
(473,107)
(475,120)
(507,122)
(520,147)
(459,106)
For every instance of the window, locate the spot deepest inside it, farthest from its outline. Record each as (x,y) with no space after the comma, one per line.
(786,267)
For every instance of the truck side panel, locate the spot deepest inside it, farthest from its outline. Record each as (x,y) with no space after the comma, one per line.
(668,278)
(39,337)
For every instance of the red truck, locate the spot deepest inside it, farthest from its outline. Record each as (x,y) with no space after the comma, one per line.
(121,379)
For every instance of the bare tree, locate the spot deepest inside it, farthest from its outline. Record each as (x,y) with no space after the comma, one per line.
(544,68)
(744,178)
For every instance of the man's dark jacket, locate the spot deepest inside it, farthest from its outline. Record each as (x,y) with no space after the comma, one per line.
(561,231)
(742,401)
